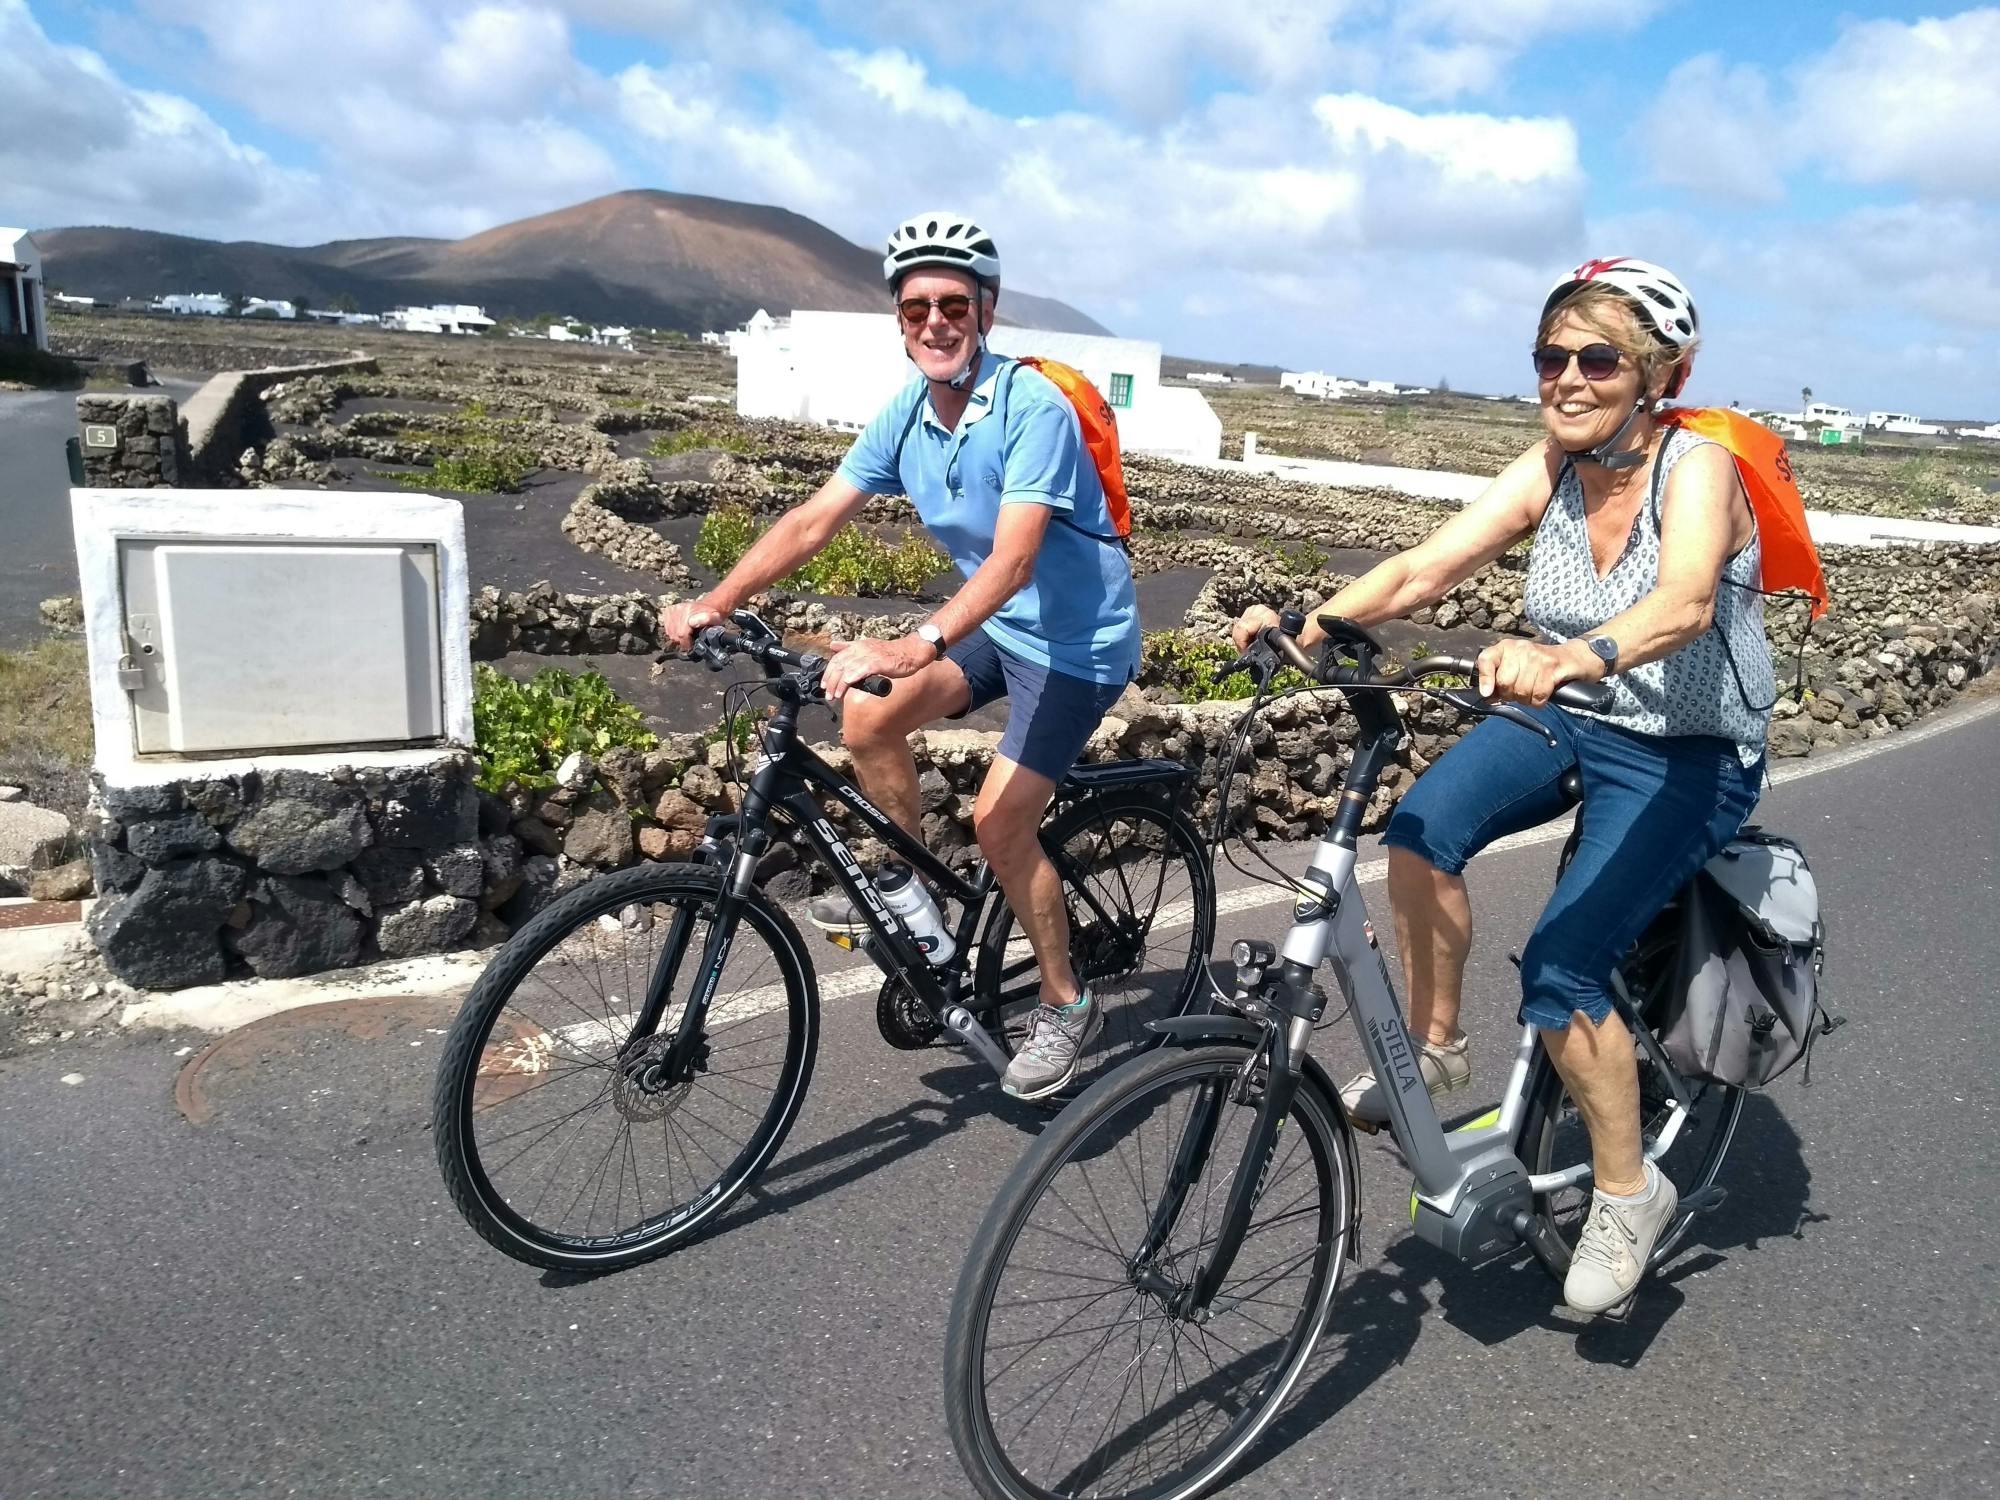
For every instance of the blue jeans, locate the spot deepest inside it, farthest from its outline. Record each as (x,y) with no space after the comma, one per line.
(1655,810)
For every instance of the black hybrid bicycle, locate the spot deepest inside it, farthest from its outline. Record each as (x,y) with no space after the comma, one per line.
(1147,1288)
(634,1056)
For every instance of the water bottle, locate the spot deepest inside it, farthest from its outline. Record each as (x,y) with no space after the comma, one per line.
(906,896)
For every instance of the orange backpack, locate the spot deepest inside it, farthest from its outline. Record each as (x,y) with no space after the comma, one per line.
(1100,433)
(1790,559)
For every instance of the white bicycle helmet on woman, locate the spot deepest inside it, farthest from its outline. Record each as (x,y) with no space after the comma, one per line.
(1662,301)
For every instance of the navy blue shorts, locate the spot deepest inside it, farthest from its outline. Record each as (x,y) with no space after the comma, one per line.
(1050,714)
(1655,809)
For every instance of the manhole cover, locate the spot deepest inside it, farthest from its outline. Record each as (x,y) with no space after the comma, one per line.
(323,1081)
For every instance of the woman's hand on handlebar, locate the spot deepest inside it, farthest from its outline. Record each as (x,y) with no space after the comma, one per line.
(904,657)
(680,622)
(1530,672)
(1255,619)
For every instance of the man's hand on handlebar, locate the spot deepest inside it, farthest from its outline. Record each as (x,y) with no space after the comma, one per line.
(904,657)
(680,622)
(1530,672)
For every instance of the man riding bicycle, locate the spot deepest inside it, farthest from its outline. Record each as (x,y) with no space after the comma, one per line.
(991,455)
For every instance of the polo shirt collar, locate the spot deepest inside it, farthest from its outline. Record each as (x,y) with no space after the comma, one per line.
(979,403)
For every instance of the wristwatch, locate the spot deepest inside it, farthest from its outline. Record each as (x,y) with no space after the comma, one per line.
(929,632)
(1606,651)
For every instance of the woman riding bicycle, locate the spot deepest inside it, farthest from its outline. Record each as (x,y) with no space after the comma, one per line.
(1637,526)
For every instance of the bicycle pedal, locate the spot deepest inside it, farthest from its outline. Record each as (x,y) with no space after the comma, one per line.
(1622,1313)
(1706,1201)
(1366,1127)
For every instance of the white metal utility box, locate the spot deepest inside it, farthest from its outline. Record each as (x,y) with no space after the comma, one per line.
(253,623)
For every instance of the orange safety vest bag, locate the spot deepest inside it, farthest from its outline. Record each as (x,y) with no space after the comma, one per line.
(1790,561)
(1100,433)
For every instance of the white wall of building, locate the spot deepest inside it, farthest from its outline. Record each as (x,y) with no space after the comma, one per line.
(205,304)
(838,369)
(439,317)
(25,313)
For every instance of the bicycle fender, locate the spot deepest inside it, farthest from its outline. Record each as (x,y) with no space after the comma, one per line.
(1190,1031)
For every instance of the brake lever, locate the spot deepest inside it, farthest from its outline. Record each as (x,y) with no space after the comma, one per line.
(1469,701)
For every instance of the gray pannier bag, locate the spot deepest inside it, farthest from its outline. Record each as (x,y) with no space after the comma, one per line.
(1744,1002)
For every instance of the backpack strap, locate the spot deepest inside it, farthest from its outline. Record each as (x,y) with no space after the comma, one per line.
(909,426)
(1065,518)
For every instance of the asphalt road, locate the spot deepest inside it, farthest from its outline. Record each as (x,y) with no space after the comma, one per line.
(39,558)
(282,1301)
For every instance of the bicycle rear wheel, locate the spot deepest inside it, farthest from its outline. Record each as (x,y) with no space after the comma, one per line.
(1069,1370)
(572,1141)
(1553,1138)
(1140,897)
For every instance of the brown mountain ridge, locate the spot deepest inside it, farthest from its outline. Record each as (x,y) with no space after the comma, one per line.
(645,257)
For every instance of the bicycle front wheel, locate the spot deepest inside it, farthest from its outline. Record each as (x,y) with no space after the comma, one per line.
(1071,1369)
(1140,897)
(579,1127)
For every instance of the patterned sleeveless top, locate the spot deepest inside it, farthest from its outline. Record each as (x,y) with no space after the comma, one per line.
(1693,691)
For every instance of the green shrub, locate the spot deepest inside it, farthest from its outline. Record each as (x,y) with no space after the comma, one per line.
(855,562)
(1193,667)
(1298,557)
(476,471)
(525,730)
(699,439)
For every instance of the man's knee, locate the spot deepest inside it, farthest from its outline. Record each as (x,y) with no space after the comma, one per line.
(1007,818)
(872,724)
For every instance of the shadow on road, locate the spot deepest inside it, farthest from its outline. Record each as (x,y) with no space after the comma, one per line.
(1377,1315)
(960,1094)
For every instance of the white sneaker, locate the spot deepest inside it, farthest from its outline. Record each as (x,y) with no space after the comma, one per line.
(1444,1068)
(1616,1243)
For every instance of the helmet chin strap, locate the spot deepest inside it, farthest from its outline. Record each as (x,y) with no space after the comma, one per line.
(1608,454)
(963,379)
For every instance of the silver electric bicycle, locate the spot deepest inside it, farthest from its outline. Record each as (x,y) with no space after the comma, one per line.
(1147,1288)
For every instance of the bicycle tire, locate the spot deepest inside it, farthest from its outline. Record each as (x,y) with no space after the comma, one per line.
(1133,990)
(1552,1136)
(1142,1093)
(569,932)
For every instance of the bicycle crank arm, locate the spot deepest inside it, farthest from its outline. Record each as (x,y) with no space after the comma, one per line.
(962,1024)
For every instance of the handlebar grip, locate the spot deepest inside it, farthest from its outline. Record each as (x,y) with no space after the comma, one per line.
(875,684)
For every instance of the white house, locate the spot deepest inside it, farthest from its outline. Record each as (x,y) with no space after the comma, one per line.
(439,317)
(277,307)
(23,315)
(1831,416)
(759,326)
(203,304)
(838,368)
(1209,377)
(1903,422)
(64,299)
(1332,387)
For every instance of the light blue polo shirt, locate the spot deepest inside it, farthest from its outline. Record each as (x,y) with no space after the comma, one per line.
(1078,614)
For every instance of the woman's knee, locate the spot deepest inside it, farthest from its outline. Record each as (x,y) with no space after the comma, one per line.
(1559,978)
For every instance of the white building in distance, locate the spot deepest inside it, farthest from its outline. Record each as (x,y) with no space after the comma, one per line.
(439,317)
(1209,377)
(276,307)
(23,314)
(1332,387)
(199,304)
(839,368)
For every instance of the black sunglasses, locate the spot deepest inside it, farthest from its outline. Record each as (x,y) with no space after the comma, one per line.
(1593,361)
(917,310)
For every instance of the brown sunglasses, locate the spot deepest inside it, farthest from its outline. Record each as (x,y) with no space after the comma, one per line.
(917,310)
(1593,361)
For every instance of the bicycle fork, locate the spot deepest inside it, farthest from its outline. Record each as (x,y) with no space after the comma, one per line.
(1275,1065)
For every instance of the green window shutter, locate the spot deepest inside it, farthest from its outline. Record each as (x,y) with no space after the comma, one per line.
(1121,390)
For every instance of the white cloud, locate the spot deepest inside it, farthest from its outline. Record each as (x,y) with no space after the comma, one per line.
(78,146)
(1903,104)
(1713,129)
(1916,104)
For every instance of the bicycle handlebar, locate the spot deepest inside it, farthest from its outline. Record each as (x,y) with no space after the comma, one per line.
(715,644)
(1275,644)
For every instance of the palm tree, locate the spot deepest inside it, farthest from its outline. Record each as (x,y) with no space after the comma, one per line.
(1805,398)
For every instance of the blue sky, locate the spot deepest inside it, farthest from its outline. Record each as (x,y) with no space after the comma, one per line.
(1375,187)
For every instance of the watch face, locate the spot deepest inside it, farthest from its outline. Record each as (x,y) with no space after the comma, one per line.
(1604,646)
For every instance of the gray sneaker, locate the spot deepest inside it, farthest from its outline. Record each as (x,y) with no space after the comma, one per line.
(833,912)
(1444,1068)
(1616,1243)
(1049,1059)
